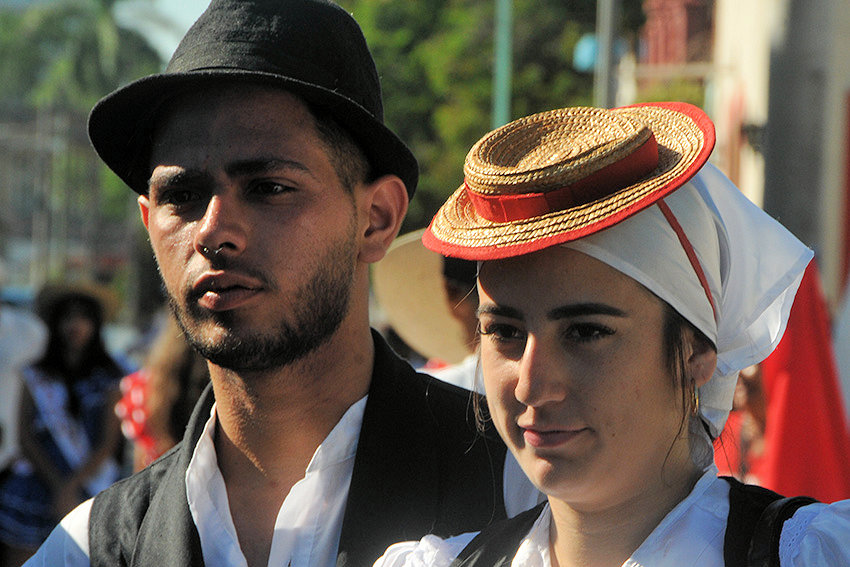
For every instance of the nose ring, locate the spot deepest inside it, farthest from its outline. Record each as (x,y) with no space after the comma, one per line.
(208,252)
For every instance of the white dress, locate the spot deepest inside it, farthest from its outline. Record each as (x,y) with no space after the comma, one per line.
(691,535)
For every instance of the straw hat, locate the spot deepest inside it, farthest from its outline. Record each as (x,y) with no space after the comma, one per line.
(560,175)
(54,294)
(408,285)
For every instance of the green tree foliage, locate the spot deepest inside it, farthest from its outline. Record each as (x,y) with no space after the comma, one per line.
(435,58)
(57,59)
(67,54)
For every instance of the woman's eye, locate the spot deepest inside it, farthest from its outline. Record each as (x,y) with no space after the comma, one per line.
(585,332)
(501,332)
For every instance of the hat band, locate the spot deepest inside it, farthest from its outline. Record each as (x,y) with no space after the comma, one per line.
(604,182)
(690,252)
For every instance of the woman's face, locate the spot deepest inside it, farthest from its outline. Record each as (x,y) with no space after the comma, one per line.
(577,378)
(77,328)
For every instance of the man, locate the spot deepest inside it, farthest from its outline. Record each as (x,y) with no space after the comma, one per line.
(268,185)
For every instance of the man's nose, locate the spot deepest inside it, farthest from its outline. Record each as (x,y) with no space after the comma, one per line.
(223,230)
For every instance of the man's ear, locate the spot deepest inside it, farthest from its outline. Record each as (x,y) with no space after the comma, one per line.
(144,208)
(385,204)
(703,359)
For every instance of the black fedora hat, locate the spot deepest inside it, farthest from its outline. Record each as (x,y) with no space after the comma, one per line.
(311,48)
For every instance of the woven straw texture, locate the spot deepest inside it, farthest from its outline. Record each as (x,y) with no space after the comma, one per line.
(553,149)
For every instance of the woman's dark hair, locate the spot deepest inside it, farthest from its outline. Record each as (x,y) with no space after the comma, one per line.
(677,332)
(94,354)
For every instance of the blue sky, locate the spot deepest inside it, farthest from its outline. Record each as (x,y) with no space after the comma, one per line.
(163,25)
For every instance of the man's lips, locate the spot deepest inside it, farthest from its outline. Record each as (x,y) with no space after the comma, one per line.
(224,291)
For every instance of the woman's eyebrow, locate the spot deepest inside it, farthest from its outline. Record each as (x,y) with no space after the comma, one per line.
(583,309)
(562,312)
(499,311)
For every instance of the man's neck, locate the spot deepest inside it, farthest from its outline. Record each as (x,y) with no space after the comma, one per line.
(280,416)
(270,425)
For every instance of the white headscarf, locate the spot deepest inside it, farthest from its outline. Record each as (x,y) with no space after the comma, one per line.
(752,266)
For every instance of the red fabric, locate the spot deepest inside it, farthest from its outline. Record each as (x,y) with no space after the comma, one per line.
(133,413)
(689,251)
(806,439)
(727,448)
(504,250)
(602,183)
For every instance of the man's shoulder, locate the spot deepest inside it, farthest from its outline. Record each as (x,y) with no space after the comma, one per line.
(445,405)
(129,498)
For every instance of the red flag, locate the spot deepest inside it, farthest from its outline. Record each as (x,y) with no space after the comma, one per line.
(806,439)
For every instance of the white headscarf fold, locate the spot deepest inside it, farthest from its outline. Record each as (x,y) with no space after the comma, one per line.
(752,265)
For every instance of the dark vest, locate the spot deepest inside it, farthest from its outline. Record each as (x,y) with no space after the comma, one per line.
(753,528)
(421,467)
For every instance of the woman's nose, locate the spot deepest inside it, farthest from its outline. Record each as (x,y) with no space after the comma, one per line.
(541,378)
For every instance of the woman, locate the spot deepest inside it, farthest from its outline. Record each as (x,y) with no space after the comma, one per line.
(157,400)
(69,432)
(623,283)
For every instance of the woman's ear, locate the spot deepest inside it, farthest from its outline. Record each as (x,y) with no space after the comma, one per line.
(385,204)
(703,359)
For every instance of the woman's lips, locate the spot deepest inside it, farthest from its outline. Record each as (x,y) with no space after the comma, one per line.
(541,439)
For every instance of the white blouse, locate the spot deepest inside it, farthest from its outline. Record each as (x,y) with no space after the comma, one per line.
(691,535)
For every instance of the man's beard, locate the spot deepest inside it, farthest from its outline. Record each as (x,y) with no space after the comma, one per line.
(319,307)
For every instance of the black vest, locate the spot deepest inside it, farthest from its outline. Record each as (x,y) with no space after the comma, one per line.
(421,467)
(752,530)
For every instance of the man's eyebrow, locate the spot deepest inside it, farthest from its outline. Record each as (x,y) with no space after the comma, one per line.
(261,165)
(169,178)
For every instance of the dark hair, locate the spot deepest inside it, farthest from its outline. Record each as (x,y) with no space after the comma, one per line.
(348,159)
(94,353)
(677,332)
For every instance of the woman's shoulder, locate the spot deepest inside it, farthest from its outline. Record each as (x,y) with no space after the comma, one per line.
(430,551)
(817,535)
(526,536)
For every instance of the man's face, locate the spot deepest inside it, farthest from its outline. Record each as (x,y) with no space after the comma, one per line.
(240,170)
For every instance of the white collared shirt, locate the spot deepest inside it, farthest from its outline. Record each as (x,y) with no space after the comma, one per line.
(690,535)
(308,525)
(309,522)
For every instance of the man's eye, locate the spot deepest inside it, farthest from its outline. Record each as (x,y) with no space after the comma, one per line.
(501,332)
(586,332)
(177,197)
(265,188)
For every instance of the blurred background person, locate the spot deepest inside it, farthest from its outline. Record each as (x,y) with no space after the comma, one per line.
(157,400)
(430,302)
(69,433)
(22,338)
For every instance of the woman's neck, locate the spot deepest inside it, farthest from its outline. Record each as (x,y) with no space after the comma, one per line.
(607,536)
